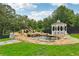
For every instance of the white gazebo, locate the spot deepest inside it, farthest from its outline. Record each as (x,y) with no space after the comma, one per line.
(59,28)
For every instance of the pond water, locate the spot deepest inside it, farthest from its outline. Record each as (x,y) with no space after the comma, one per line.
(44,38)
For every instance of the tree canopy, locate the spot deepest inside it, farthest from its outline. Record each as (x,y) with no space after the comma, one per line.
(65,15)
(12,22)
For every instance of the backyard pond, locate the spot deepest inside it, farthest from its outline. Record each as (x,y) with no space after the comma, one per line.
(44,37)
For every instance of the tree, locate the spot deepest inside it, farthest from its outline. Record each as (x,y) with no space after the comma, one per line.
(6,16)
(65,15)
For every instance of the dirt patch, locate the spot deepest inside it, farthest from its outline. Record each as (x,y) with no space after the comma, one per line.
(55,42)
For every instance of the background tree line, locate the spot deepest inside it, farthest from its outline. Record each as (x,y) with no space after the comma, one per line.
(65,15)
(12,22)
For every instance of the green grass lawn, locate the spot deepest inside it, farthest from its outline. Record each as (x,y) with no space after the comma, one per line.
(29,49)
(5,39)
(75,35)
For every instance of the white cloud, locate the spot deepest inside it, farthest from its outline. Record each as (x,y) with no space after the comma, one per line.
(76,12)
(39,15)
(58,4)
(33,14)
(75,3)
(22,5)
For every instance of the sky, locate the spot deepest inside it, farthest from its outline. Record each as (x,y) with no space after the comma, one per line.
(38,11)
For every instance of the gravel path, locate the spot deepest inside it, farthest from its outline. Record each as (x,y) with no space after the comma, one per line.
(73,39)
(9,42)
(69,40)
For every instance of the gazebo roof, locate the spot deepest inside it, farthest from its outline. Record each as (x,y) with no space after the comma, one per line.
(59,23)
